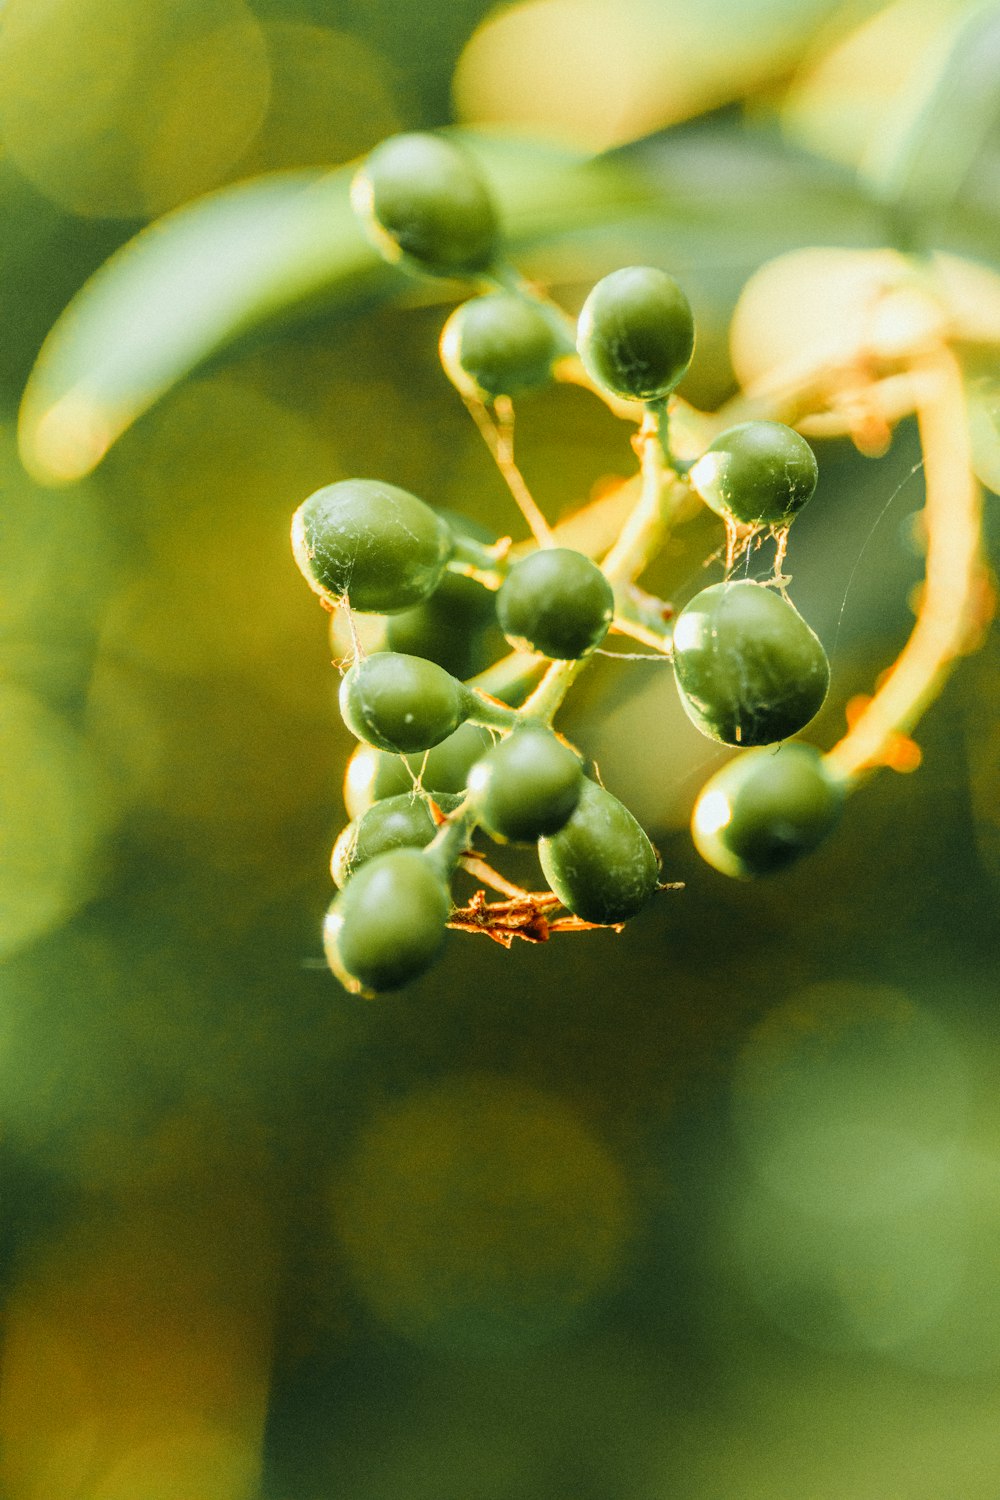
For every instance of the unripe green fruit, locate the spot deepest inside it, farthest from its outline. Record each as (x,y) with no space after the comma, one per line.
(375,774)
(749,669)
(765,809)
(370,543)
(498,345)
(403,822)
(400,702)
(600,864)
(760,473)
(456,626)
(555,601)
(526,786)
(424,197)
(636,333)
(388,924)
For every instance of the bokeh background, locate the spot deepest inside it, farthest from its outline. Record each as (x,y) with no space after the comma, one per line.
(706,1211)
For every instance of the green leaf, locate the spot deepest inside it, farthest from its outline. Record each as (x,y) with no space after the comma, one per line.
(924,152)
(982,397)
(237,260)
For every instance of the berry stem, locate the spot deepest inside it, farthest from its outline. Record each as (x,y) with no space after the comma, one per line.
(512,677)
(499,440)
(487,565)
(953,579)
(646,528)
(451,841)
(543,704)
(488,711)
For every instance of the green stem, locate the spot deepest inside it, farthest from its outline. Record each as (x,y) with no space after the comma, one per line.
(451,841)
(511,678)
(646,528)
(544,702)
(487,565)
(489,712)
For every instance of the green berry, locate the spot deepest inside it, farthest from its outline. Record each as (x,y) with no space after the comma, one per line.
(636,333)
(456,626)
(424,197)
(388,924)
(765,809)
(402,822)
(375,774)
(370,543)
(499,345)
(760,473)
(526,786)
(400,702)
(600,864)
(749,669)
(555,601)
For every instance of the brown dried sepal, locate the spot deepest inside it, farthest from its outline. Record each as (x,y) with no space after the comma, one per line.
(523,916)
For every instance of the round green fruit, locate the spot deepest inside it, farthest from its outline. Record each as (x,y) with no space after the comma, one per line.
(766,809)
(760,473)
(371,543)
(555,601)
(600,864)
(401,703)
(456,626)
(375,774)
(499,345)
(636,333)
(388,924)
(424,197)
(401,822)
(526,786)
(749,669)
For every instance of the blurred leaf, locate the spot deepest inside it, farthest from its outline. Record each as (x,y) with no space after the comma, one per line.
(624,70)
(922,158)
(907,99)
(277,245)
(982,394)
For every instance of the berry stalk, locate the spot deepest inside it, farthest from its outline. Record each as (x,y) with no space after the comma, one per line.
(954,574)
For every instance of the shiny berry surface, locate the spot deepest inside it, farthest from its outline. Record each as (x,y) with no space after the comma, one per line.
(401,822)
(636,333)
(555,601)
(499,345)
(423,196)
(749,669)
(760,473)
(373,544)
(374,774)
(402,703)
(766,809)
(600,864)
(526,786)
(387,926)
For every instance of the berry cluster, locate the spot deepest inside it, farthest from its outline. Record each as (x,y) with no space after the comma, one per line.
(449,744)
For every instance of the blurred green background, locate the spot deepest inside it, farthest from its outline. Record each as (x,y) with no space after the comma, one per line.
(706,1211)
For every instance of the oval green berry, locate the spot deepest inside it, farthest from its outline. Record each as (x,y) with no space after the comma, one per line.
(401,822)
(760,473)
(766,809)
(401,702)
(388,924)
(370,543)
(499,345)
(555,601)
(600,864)
(749,669)
(424,197)
(526,786)
(375,774)
(636,333)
